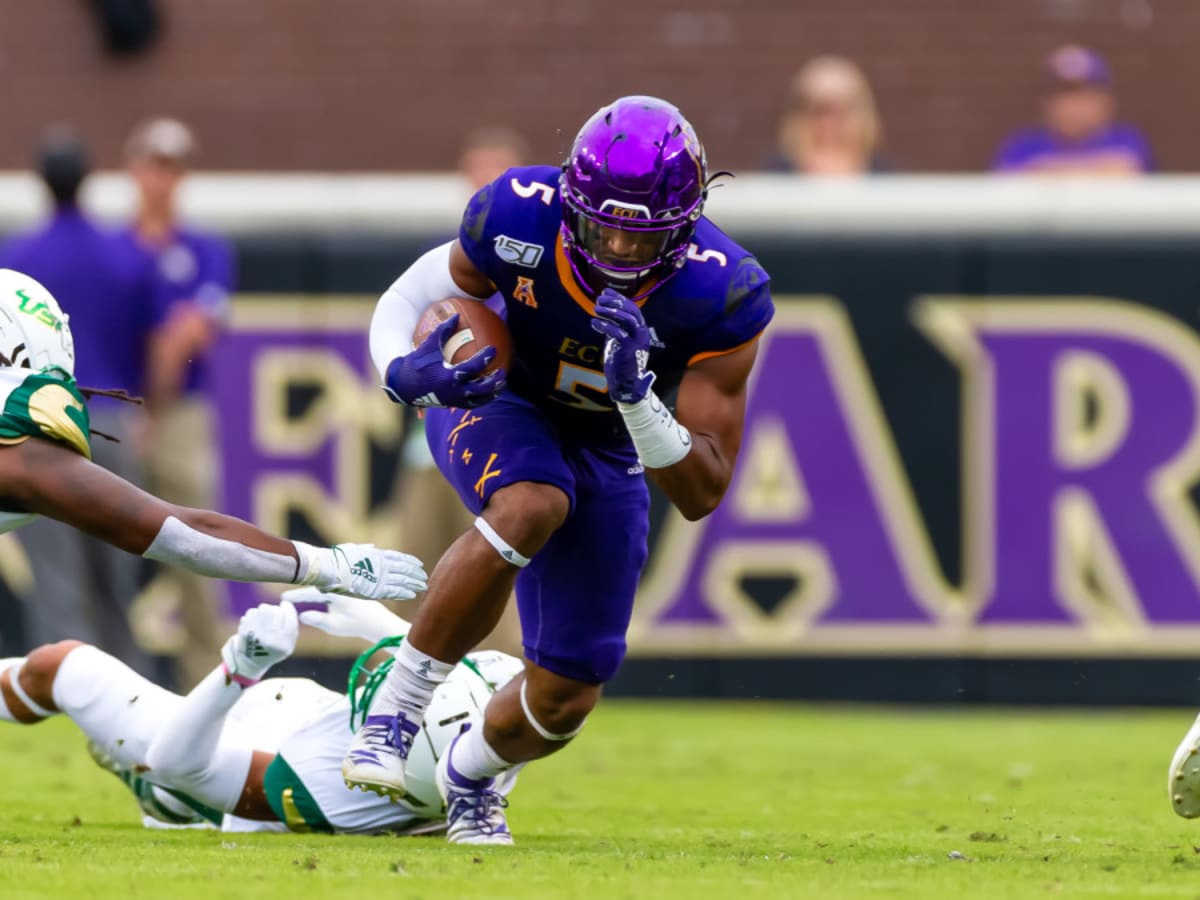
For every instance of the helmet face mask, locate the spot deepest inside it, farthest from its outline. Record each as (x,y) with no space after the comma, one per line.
(34,333)
(632,190)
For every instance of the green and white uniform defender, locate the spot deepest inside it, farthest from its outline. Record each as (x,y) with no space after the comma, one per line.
(309,729)
(41,404)
(38,393)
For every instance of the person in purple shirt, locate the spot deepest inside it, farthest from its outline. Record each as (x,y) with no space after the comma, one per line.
(1079,135)
(115,302)
(197,269)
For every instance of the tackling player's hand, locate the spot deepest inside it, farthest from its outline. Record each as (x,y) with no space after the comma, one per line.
(424,378)
(627,350)
(347,616)
(266,634)
(363,570)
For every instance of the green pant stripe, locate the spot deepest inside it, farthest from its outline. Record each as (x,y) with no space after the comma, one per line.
(290,800)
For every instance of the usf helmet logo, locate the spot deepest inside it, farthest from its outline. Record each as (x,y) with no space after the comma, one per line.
(39,309)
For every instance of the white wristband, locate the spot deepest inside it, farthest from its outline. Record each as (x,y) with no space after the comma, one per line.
(658,438)
(317,567)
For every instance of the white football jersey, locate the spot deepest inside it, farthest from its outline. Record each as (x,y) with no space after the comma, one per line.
(315,751)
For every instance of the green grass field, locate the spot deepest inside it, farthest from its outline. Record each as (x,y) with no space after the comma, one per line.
(688,801)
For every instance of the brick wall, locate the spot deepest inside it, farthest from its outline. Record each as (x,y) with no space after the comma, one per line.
(396,84)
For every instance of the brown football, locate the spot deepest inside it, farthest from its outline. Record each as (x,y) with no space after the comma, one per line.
(478,327)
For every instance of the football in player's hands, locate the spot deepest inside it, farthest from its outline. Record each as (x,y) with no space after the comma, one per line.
(478,327)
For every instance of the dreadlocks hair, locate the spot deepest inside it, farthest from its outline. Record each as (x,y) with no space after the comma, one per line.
(113,393)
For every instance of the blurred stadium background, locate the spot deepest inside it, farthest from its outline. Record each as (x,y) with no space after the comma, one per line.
(971,446)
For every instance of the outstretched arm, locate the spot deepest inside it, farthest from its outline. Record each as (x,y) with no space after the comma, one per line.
(45,477)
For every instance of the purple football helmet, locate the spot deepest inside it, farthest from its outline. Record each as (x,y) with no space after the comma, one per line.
(632,190)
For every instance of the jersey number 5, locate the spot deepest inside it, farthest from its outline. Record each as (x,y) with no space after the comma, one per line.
(571,378)
(533,189)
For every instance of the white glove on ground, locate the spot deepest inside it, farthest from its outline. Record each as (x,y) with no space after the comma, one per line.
(347,616)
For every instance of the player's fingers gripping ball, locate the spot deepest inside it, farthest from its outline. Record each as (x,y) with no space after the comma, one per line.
(627,350)
(461,356)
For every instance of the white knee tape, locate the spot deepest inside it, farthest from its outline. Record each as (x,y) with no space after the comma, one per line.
(15,683)
(538,727)
(501,546)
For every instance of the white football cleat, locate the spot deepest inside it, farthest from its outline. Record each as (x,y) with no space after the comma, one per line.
(1183,779)
(474,809)
(377,755)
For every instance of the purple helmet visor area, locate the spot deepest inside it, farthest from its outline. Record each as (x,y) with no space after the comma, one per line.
(632,190)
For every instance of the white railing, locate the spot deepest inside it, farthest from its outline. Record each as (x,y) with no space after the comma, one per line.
(425,202)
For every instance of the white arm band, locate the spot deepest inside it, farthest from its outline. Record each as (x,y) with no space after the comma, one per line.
(423,284)
(659,440)
(181,545)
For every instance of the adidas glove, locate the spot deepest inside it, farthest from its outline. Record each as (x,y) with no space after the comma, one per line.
(266,634)
(361,570)
(347,616)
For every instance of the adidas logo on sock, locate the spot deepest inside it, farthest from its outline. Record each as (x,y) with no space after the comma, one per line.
(364,569)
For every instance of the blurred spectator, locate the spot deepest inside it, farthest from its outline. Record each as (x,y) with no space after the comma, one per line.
(197,270)
(488,152)
(432,515)
(82,586)
(831,124)
(1078,134)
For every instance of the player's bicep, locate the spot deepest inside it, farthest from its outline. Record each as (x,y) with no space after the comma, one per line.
(467,275)
(712,397)
(53,481)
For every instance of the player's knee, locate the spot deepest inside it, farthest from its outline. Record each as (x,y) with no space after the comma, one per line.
(562,708)
(527,513)
(41,668)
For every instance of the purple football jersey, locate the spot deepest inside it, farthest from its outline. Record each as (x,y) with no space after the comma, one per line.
(1041,149)
(719,301)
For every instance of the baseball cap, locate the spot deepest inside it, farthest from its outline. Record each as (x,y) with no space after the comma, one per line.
(1078,66)
(161,138)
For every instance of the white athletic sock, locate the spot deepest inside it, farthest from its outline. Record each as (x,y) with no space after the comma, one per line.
(410,684)
(474,758)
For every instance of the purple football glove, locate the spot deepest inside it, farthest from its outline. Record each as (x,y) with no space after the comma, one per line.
(424,378)
(627,350)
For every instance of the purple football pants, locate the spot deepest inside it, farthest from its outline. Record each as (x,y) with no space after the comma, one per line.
(575,597)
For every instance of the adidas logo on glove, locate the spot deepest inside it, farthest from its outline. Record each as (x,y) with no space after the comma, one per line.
(363,569)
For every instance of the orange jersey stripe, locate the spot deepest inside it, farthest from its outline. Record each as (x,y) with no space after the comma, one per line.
(711,353)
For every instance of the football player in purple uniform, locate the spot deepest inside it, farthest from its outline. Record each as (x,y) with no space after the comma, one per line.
(635,323)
